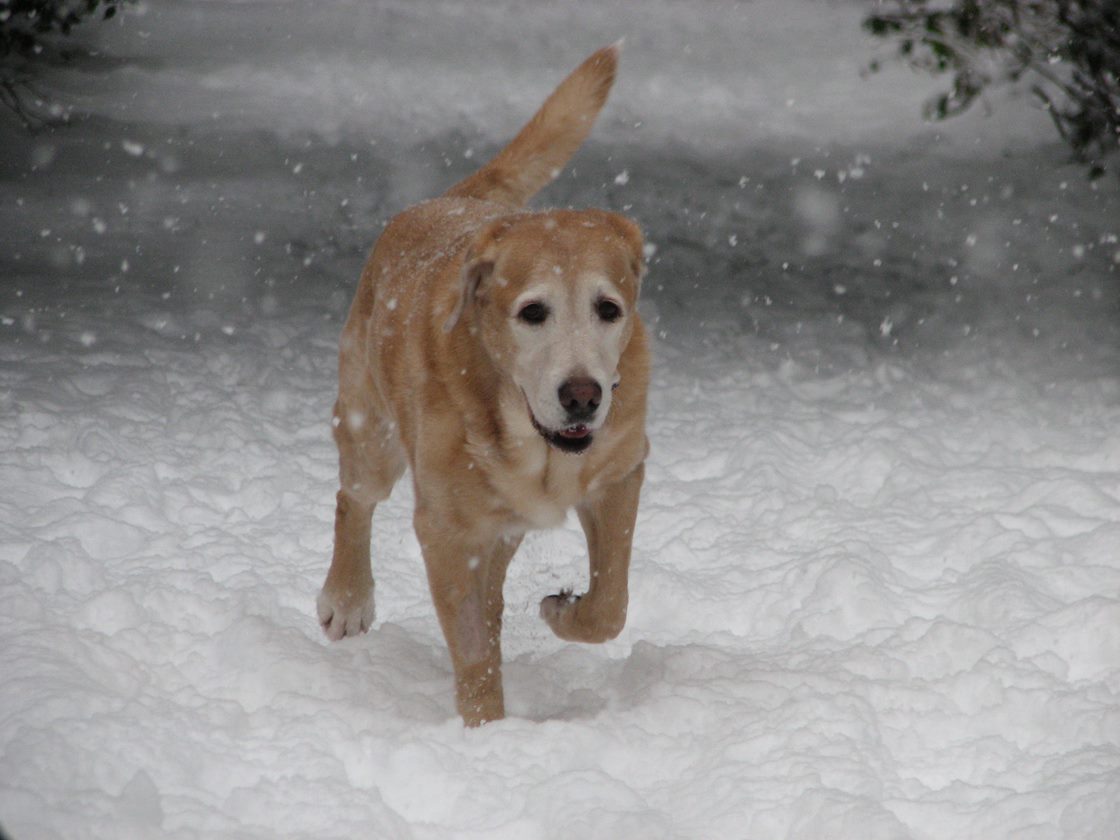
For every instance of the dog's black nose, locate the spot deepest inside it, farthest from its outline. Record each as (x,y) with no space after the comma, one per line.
(580,396)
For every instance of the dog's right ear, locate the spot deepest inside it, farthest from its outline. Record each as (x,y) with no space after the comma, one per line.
(475,270)
(478,265)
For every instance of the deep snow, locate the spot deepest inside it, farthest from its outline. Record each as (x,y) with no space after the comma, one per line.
(876,586)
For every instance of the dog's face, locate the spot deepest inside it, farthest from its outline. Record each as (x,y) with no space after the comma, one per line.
(552,297)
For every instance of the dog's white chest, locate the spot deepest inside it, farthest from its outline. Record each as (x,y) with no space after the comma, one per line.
(541,486)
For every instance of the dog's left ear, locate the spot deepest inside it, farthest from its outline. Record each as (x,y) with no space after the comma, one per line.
(631,236)
(478,265)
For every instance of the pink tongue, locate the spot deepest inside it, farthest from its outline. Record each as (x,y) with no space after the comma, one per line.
(580,431)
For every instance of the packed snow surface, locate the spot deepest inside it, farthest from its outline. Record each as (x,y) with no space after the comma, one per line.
(876,578)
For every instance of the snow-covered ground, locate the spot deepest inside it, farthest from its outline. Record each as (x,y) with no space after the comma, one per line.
(876,585)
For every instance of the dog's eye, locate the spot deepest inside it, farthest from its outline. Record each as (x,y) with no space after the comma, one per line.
(533,313)
(608,310)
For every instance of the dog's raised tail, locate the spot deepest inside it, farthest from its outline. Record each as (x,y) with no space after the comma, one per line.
(536,155)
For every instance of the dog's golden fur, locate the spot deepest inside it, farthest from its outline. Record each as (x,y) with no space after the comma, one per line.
(498,354)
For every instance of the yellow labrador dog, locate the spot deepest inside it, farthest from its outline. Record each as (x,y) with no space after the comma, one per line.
(497,353)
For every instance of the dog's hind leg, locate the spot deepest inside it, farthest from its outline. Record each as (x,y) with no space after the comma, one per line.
(370,462)
(608,522)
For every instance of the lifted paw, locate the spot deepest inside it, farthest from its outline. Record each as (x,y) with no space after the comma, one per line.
(554,605)
(575,618)
(558,611)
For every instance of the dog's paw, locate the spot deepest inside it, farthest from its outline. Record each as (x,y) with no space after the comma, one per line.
(345,614)
(576,618)
(556,610)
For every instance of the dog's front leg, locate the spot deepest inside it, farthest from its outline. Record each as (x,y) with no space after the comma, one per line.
(345,603)
(466,581)
(370,462)
(608,522)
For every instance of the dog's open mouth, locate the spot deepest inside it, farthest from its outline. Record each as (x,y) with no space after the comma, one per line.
(573,439)
(574,432)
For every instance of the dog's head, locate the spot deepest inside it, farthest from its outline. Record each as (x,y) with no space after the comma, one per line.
(552,298)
